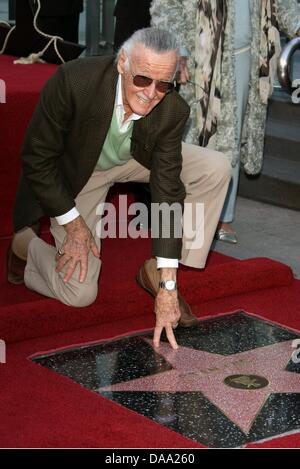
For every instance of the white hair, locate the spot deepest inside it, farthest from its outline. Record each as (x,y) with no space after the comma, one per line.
(158,40)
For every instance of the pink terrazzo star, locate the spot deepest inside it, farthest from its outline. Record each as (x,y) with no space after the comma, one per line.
(195,370)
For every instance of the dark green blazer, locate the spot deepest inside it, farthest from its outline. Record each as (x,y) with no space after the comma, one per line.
(66,134)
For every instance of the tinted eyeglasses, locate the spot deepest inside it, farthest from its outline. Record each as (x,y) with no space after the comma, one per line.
(143,82)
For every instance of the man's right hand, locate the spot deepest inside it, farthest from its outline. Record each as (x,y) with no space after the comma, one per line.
(75,249)
(167,316)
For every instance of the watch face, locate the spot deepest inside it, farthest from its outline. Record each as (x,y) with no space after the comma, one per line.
(170,284)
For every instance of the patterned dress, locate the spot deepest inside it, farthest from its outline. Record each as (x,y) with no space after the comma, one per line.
(218,107)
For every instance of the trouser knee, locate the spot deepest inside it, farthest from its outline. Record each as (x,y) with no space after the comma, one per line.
(81,295)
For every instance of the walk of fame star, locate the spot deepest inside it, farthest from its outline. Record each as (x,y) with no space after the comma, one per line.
(231,381)
(194,370)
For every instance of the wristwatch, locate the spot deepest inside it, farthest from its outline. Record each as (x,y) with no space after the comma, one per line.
(169,285)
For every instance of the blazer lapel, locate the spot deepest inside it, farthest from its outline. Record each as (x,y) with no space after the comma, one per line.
(98,122)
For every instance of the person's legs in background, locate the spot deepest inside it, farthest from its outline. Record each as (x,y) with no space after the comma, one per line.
(131,15)
(242,72)
(65,27)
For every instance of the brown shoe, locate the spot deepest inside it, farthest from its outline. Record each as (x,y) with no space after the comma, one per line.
(15,268)
(148,278)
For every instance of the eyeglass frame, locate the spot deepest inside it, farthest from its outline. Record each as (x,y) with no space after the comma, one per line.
(171,84)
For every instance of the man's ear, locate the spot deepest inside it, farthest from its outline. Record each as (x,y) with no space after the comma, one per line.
(121,62)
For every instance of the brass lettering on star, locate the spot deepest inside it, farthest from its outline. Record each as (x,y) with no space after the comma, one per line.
(246,381)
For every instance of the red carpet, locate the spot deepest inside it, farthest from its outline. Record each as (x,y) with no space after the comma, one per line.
(23,85)
(41,409)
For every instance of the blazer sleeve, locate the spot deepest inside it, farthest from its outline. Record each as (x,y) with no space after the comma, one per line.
(166,185)
(44,146)
(288,16)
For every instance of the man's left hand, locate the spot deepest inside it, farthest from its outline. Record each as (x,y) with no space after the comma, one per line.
(75,249)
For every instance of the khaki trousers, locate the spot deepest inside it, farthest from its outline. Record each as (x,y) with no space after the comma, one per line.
(205,174)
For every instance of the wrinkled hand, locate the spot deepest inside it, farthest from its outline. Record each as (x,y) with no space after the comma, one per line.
(167,316)
(183,75)
(75,248)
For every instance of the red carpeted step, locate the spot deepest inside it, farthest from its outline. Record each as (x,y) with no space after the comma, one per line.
(233,278)
(44,316)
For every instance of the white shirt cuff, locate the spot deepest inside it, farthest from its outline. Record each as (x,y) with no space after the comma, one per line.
(67,217)
(168,263)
